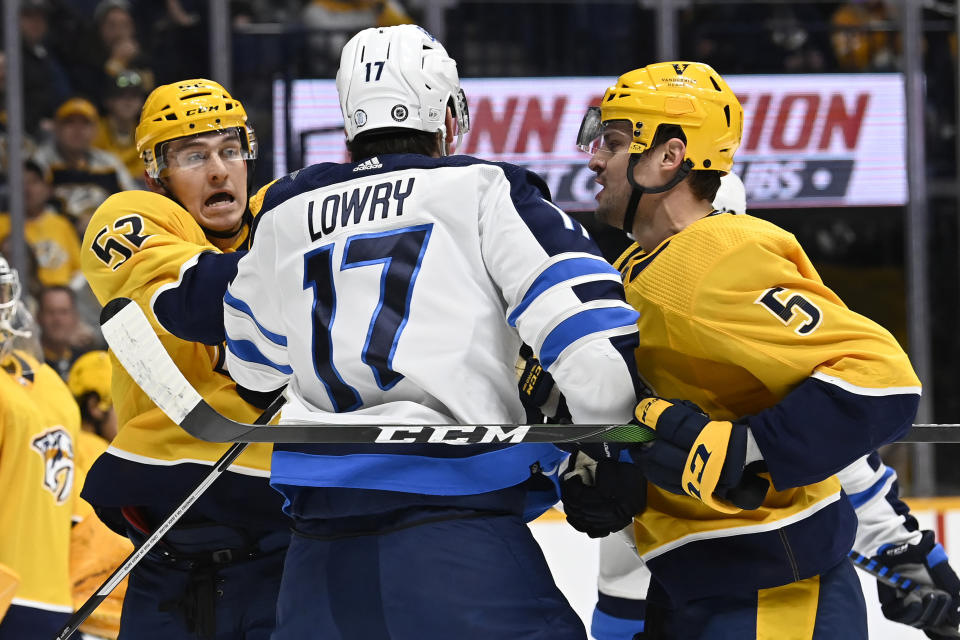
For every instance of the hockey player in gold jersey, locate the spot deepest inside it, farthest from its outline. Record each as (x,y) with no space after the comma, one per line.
(39,423)
(746,529)
(215,575)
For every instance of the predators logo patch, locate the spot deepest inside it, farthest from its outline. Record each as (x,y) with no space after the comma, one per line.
(55,446)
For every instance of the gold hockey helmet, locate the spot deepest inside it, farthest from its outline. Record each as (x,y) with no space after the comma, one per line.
(188,108)
(689,94)
(91,372)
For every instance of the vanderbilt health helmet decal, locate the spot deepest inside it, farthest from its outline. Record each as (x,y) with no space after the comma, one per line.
(55,446)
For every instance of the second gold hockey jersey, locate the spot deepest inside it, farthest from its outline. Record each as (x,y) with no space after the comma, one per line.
(734,317)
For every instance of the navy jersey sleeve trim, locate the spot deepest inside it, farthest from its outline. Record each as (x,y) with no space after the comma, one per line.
(819,428)
(192,309)
(563,271)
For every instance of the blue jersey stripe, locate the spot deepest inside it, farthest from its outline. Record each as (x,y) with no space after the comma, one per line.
(604,626)
(583,324)
(557,273)
(862,497)
(246,350)
(245,309)
(475,474)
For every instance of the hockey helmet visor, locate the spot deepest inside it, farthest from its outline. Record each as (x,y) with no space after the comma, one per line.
(609,137)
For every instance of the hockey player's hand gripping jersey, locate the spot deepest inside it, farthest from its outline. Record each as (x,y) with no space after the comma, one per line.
(697,456)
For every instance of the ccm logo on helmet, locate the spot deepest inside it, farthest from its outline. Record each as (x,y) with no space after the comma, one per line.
(203,109)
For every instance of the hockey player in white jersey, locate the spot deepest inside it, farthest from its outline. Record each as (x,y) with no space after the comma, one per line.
(397,288)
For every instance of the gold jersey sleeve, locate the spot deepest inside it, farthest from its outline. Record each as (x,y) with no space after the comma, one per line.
(256,200)
(137,243)
(39,423)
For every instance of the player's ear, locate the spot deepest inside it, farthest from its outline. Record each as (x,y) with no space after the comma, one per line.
(153,184)
(450,130)
(674,151)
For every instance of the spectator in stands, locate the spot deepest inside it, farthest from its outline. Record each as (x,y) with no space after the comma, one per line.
(123,100)
(332,23)
(118,37)
(779,37)
(51,236)
(63,335)
(29,146)
(177,35)
(863,36)
(45,83)
(110,45)
(89,381)
(82,176)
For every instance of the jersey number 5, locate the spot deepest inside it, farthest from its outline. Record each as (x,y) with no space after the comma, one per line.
(787,309)
(398,253)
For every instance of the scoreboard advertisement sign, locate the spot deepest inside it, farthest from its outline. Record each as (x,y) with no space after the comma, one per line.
(808,140)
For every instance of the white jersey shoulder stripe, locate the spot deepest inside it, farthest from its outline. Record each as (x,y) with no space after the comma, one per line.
(865,391)
(740,531)
(133,457)
(33,604)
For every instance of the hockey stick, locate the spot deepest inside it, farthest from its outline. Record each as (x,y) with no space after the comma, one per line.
(94,601)
(135,344)
(882,573)
(893,579)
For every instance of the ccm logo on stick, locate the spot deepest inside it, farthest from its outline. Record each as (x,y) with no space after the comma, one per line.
(453,434)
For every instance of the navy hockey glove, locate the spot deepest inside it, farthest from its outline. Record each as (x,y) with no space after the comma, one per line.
(601,494)
(539,395)
(697,456)
(934,606)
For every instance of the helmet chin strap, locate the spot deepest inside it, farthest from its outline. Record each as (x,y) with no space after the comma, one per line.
(638,191)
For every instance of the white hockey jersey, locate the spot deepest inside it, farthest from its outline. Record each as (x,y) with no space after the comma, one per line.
(401,288)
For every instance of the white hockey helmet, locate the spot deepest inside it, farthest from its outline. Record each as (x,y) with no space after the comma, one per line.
(9,291)
(731,196)
(18,330)
(399,78)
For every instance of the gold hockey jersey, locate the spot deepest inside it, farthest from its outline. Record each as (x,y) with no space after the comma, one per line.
(138,245)
(39,423)
(734,317)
